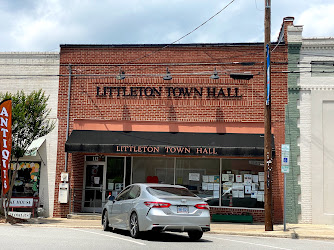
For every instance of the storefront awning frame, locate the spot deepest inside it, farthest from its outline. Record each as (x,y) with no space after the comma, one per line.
(165,143)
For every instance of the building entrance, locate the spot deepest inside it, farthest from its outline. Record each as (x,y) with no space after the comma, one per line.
(103,177)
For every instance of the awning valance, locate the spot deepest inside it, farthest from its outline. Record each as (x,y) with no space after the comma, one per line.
(164,143)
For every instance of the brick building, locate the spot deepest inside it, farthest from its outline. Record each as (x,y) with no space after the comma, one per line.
(189,114)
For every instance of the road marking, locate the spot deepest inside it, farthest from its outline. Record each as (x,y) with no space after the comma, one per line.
(249,243)
(110,236)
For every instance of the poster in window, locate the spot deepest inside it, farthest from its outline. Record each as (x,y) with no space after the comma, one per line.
(216,178)
(205,178)
(194,176)
(211,178)
(261,185)
(215,194)
(231,177)
(210,186)
(261,176)
(235,193)
(254,194)
(255,186)
(204,186)
(215,186)
(225,177)
(241,194)
(248,179)
(238,178)
(248,189)
(255,178)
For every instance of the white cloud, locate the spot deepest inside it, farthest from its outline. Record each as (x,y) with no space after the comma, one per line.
(42,25)
(318,21)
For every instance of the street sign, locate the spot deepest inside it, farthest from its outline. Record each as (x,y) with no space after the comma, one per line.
(285,154)
(285,169)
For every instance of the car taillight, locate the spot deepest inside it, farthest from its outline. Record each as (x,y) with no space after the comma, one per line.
(157,204)
(202,206)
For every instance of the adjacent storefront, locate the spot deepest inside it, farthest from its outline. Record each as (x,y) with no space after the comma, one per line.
(187,114)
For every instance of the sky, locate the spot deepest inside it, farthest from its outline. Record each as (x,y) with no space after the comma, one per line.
(42,25)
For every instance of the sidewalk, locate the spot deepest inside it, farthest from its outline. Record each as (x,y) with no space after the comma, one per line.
(295,231)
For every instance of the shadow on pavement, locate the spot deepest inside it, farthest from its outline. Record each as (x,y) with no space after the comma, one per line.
(161,237)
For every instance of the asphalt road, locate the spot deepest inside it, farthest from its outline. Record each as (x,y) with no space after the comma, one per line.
(26,237)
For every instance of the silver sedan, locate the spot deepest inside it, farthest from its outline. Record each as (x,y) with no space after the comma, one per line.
(157,207)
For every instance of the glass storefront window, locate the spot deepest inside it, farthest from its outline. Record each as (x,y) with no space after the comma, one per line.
(240,185)
(27,179)
(201,176)
(149,169)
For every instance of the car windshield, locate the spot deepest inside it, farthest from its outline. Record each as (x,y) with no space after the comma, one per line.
(169,191)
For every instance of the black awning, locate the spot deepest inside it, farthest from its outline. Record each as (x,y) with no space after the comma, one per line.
(164,143)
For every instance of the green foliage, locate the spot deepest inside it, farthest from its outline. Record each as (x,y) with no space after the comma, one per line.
(29,119)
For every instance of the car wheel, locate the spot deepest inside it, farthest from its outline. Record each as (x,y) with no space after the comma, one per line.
(195,235)
(105,221)
(134,226)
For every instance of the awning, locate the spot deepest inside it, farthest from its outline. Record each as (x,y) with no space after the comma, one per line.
(34,146)
(164,143)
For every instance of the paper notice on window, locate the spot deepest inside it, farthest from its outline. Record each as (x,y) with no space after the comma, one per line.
(235,193)
(255,178)
(231,177)
(204,186)
(210,186)
(96,180)
(238,178)
(211,178)
(261,185)
(225,177)
(194,176)
(215,186)
(254,194)
(248,189)
(255,186)
(205,178)
(241,194)
(261,176)
(215,194)
(260,196)
(248,179)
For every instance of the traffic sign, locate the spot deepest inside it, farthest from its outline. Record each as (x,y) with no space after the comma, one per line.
(285,169)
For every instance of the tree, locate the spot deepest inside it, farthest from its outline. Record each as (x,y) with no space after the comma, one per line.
(29,122)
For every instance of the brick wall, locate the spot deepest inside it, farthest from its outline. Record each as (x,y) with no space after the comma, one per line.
(257,213)
(193,64)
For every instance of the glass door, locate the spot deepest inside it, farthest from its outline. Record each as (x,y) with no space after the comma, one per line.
(94,191)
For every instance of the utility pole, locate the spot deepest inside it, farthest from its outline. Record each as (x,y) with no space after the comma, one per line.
(267,122)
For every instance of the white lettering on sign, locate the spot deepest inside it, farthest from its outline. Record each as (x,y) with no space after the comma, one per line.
(22,215)
(21,202)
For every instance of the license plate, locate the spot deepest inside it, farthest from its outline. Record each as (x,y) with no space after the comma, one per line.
(182,209)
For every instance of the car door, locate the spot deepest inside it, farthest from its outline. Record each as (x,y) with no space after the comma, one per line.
(116,213)
(129,204)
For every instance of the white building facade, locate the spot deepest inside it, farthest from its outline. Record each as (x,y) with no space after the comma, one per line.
(29,72)
(315,84)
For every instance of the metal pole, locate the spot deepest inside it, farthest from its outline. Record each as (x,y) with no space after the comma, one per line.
(68,109)
(267,121)
(284,218)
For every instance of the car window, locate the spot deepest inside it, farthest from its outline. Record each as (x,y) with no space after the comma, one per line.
(170,191)
(123,195)
(134,192)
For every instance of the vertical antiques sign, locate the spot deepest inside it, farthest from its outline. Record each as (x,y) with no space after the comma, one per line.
(5,141)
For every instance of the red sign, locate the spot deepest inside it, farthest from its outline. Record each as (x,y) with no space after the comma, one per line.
(5,141)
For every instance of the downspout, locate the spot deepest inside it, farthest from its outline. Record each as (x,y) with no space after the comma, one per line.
(68,110)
